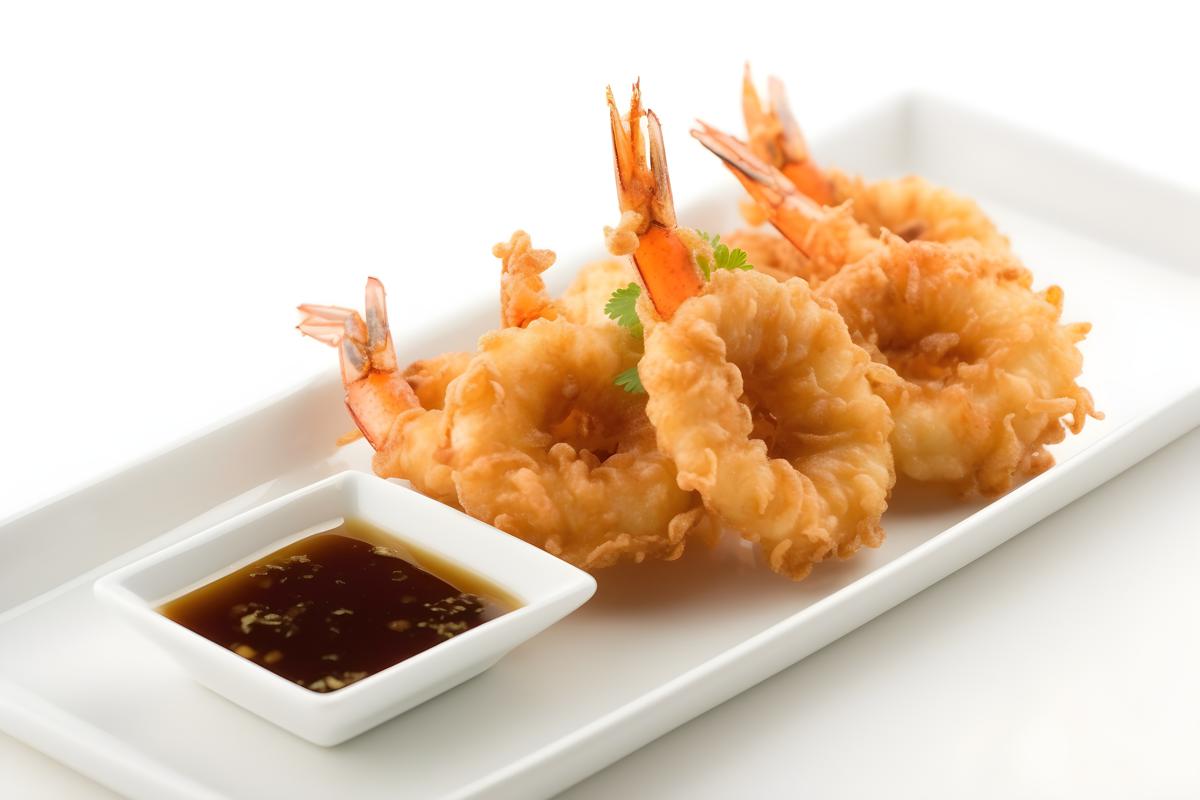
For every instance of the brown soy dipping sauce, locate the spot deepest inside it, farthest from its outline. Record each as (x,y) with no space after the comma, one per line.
(337,606)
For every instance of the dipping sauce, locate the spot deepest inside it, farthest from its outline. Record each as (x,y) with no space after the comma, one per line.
(337,606)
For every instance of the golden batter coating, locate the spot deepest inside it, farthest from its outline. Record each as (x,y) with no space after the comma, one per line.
(981,374)
(584,299)
(548,449)
(762,400)
(429,377)
(771,254)
(916,210)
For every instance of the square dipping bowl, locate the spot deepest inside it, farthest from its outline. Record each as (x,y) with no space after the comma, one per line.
(546,588)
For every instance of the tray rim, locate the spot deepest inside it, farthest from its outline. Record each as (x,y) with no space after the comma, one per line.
(111,762)
(499,783)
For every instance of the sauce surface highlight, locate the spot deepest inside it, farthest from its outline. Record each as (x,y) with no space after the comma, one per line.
(337,606)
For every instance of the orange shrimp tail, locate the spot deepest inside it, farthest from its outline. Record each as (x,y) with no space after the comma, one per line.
(791,212)
(324,323)
(775,137)
(665,263)
(376,392)
(672,278)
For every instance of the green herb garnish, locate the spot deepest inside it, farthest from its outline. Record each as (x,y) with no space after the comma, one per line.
(723,257)
(630,381)
(622,307)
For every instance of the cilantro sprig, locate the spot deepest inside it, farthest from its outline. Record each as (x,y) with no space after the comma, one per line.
(630,381)
(723,257)
(622,307)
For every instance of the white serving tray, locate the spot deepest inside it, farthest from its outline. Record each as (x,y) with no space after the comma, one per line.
(660,643)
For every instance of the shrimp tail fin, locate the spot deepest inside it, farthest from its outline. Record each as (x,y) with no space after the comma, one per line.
(326,324)
(664,263)
(376,392)
(766,184)
(775,136)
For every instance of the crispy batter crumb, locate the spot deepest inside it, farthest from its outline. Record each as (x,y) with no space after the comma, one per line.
(623,239)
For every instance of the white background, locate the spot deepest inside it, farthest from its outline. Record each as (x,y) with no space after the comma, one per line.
(174,178)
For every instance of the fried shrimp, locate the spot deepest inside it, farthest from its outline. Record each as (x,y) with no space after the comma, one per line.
(756,390)
(910,207)
(409,439)
(1006,369)
(828,238)
(551,451)
(523,295)
(529,434)
(548,448)
(981,373)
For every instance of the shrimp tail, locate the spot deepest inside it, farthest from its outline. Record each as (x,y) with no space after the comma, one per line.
(324,323)
(376,392)
(769,187)
(775,137)
(828,237)
(663,261)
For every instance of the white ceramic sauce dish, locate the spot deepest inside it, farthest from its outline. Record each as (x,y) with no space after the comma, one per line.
(547,589)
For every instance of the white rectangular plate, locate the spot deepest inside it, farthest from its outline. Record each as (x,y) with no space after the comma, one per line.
(660,643)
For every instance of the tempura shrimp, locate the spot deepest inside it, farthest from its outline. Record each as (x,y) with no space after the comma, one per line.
(551,451)
(1005,368)
(409,439)
(756,390)
(548,448)
(533,436)
(910,207)
(981,374)
(828,238)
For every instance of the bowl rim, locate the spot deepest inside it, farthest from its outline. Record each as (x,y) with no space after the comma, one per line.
(568,585)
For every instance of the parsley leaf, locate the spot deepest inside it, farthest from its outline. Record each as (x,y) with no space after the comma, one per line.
(730,259)
(630,381)
(622,307)
(723,257)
